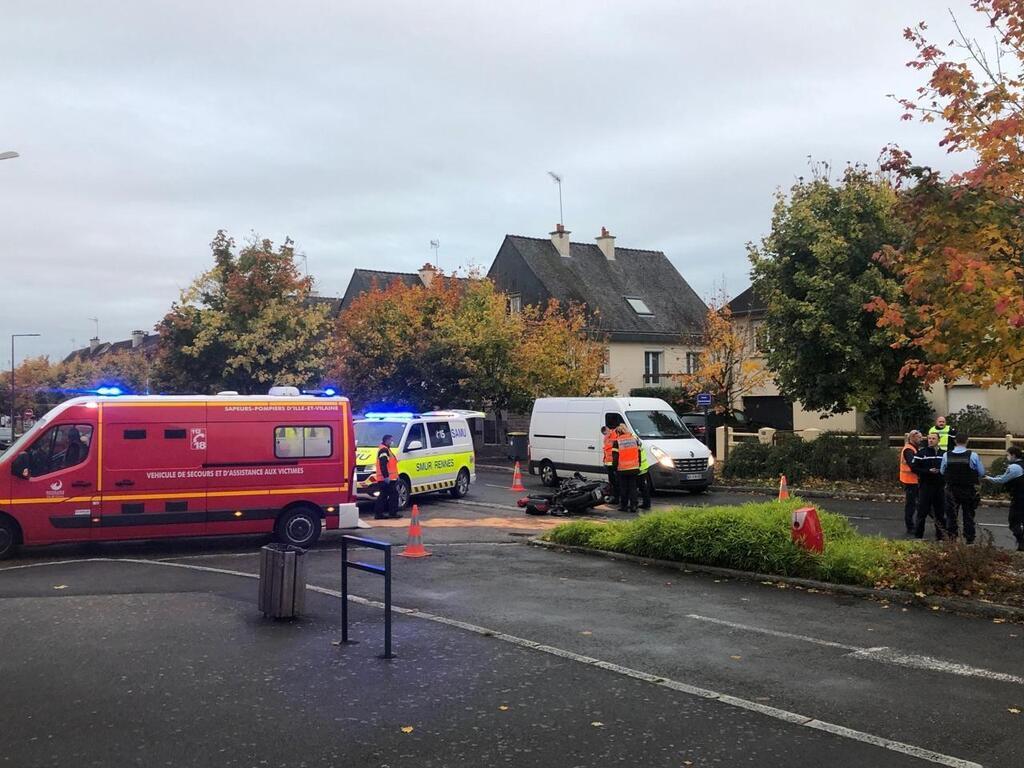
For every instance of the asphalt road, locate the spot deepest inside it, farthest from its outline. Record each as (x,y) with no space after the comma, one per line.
(114,663)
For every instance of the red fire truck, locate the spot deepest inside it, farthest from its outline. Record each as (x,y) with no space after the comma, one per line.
(103,468)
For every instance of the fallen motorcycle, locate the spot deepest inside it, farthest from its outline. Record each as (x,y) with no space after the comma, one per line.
(573,496)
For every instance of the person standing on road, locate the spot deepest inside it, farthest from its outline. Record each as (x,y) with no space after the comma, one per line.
(908,478)
(644,480)
(963,471)
(608,436)
(945,432)
(626,460)
(387,471)
(931,499)
(1013,479)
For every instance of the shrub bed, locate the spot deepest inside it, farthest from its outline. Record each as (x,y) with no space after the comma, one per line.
(832,456)
(756,537)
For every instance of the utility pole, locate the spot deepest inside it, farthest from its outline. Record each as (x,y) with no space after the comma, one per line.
(558,181)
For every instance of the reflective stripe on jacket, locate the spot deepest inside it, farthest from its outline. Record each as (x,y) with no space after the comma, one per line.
(609,440)
(943,436)
(387,456)
(907,475)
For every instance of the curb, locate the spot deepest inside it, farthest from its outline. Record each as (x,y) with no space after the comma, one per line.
(953,604)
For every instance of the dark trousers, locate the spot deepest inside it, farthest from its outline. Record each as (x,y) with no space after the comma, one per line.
(965,500)
(613,483)
(645,490)
(628,489)
(387,501)
(1017,523)
(931,502)
(910,506)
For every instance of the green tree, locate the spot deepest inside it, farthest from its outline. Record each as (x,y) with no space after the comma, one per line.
(246,324)
(817,273)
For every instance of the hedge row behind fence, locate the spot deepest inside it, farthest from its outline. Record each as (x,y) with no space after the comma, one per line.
(830,457)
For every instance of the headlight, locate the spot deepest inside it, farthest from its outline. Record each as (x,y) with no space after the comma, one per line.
(711,459)
(661,457)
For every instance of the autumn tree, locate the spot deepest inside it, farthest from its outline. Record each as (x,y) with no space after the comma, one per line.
(816,271)
(132,371)
(246,324)
(37,388)
(961,310)
(729,366)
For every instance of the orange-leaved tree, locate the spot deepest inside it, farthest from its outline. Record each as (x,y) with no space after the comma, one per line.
(962,309)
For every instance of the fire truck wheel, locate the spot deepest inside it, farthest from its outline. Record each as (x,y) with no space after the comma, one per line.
(461,484)
(298,526)
(8,538)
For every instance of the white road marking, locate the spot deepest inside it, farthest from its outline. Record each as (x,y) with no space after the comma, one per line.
(881,654)
(675,685)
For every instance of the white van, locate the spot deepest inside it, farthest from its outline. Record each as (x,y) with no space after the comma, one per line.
(435,452)
(565,437)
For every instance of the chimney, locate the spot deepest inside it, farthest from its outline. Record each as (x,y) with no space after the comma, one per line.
(94,343)
(606,242)
(427,274)
(560,237)
(137,338)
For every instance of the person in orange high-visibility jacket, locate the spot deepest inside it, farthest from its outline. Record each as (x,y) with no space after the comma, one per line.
(608,435)
(387,473)
(626,459)
(909,480)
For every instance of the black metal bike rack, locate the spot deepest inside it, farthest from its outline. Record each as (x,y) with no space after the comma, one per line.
(380,570)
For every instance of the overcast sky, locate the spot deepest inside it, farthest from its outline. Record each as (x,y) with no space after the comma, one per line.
(365,129)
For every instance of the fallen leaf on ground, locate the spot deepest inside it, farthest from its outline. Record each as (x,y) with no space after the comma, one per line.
(935,607)
(920,594)
(503,707)
(61,586)
(1013,711)
(586,632)
(597,724)
(407,729)
(998,621)
(735,658)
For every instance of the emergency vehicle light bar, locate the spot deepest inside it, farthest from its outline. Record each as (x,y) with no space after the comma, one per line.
(384,415)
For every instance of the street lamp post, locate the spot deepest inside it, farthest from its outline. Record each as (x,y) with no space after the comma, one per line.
(13,389)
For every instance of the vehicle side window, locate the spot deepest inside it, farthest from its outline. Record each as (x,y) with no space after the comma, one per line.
(440,434)
(303,442)
(60,447)
(416,432)
(612,420)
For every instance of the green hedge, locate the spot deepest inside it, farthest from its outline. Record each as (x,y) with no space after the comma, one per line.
(832,456)
(751,537)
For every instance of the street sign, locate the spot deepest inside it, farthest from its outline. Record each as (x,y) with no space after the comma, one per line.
(704,399)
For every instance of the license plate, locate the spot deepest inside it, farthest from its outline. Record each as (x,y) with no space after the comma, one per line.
(694,476)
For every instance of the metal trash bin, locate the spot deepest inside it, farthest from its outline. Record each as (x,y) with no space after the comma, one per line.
(518,445)
(282,581)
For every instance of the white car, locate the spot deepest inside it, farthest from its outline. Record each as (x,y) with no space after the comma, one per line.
(565,437)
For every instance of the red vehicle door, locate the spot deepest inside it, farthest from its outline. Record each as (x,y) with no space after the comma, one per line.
(54,496)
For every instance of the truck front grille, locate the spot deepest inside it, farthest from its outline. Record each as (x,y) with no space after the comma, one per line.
(691,465)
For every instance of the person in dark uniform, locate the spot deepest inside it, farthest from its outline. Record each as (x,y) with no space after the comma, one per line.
(387,471)
(963,471)
(1013,479)
(931,499)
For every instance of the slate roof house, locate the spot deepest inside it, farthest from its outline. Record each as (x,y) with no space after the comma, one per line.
(650,315)
(140,342)
(365,280)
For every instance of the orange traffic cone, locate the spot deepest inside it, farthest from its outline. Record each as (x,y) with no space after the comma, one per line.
(415,546)
(783,489)
(517,479)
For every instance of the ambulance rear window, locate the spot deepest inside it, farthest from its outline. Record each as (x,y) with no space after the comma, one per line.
(301,442)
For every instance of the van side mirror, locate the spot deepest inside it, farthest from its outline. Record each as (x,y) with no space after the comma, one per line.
(415,445)
(20,466)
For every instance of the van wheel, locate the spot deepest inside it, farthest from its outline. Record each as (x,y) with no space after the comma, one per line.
(461,484)
(8,538)
(298,526)
(403,492)
(548,476)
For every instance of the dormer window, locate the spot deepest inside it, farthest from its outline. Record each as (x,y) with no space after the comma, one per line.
(638,305)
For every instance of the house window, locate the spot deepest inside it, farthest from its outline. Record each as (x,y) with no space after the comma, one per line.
(653,367)
(638,305)
(761,338)
(606,367)
(692,362)
(515,304)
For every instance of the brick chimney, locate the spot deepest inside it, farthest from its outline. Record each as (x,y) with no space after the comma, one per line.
(94,343)
(137,338)
(560,238)
(606,242)
(427,274)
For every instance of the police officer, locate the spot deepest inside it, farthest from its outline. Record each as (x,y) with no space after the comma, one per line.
(908,478)
(1013,479)
(387,471)
(963,471)
(931,500)
(626,460)
(608,438)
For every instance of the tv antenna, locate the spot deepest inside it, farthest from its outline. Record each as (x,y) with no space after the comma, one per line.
(558,181)
(97,321)
(305,264)
(436,246)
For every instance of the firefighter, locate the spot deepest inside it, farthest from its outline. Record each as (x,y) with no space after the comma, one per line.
(963,471)
(908,479)
(1013,479)
(387,471)
(626,460)
(608,437)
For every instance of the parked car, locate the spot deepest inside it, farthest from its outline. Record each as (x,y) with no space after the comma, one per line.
(696,424)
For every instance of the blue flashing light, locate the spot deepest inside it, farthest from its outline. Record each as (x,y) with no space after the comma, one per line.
(109,391)
(330,392)
(386,415)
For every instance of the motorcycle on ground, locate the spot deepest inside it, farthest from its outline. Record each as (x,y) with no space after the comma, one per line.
(573,496)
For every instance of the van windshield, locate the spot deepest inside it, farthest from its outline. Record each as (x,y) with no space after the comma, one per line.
(653,425)
(370,433)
